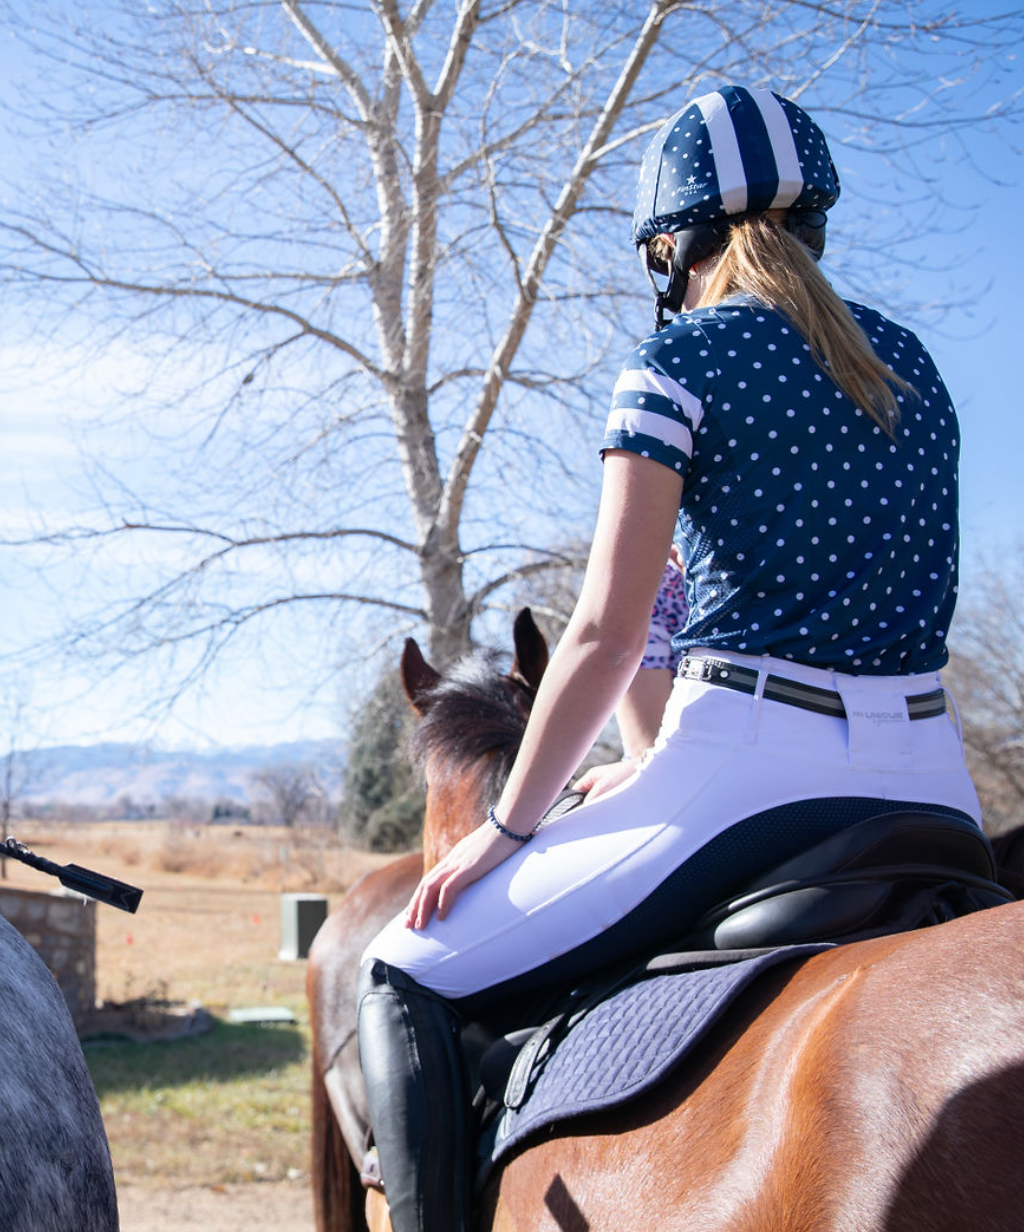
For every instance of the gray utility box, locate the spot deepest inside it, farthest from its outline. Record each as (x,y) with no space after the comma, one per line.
(301,917)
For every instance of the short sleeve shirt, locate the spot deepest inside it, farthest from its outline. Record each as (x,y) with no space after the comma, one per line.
(809,533)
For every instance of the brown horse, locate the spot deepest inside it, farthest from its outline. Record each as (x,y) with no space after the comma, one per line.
(878,1087)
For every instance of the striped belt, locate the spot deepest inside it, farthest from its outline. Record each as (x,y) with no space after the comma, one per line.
(793,693)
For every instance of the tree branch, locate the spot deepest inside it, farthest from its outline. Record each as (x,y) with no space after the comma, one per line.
(461,468)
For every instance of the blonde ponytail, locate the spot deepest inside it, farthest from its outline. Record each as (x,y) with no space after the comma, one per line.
(763,259)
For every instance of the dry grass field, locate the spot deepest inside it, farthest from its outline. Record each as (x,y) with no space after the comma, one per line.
(211,1131)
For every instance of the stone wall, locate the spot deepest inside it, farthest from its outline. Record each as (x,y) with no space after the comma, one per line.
(61,928)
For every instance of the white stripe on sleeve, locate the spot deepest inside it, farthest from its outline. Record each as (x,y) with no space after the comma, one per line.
(669,431)
(647,381)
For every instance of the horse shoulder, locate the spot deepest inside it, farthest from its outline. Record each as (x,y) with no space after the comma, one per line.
(332,972)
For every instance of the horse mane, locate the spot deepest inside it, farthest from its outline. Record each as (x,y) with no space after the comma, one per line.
(474,716)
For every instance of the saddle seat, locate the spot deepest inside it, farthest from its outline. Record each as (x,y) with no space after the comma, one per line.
(890,873)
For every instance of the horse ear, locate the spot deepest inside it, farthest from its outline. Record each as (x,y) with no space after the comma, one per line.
(531,650)
(418,677)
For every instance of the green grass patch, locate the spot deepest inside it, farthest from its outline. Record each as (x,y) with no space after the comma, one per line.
(230,1105)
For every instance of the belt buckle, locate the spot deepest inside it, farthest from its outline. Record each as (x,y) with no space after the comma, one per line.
(698,668)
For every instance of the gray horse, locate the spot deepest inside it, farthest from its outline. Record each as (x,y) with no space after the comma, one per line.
(55,1170)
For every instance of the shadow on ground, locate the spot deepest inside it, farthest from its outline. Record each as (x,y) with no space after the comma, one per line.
(225,1052)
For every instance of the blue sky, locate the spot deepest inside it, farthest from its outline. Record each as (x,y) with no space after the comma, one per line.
(976,346)
(971,276)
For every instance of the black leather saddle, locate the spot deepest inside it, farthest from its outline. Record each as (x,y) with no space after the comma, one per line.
(892,872)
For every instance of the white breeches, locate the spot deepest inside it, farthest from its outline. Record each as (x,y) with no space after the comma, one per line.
(721,756)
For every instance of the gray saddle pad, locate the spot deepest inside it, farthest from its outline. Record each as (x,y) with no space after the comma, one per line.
(627,1043)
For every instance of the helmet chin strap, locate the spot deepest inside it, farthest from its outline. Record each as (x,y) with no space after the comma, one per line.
(694,244)
(671,298)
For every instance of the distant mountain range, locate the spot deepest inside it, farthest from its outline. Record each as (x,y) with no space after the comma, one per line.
(103,773)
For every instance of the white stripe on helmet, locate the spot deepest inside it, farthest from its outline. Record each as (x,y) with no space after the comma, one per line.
(780,134)
(732,183)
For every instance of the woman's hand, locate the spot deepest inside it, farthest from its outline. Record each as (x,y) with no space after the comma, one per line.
(485,848)
(480,851)
(601,779)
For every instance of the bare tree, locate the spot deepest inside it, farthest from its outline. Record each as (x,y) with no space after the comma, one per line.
(986,676)
(12,783)
(18,763)
(376,257)
(295,792)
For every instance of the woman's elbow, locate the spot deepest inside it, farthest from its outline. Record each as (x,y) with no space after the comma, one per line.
(610,646)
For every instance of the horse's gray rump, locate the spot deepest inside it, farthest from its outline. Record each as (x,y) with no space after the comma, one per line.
(55,1170)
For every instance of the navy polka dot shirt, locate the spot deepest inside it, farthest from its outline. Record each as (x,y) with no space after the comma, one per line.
(811,534)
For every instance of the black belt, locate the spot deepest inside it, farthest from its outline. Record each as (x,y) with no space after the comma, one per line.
(792,693)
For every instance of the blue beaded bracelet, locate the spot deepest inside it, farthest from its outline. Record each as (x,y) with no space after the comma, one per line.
(518,838)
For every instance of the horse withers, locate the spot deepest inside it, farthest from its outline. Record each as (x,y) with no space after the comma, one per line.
(876,1087)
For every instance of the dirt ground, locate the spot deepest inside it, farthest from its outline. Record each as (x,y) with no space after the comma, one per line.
(282,1206)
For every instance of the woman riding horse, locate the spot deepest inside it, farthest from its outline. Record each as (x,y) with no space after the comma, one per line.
(808,451)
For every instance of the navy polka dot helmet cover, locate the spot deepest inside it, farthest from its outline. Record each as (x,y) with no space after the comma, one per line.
(734,151)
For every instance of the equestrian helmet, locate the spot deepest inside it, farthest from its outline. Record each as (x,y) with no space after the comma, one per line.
(724,156)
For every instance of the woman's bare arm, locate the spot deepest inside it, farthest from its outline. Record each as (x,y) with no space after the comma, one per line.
(591,669)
